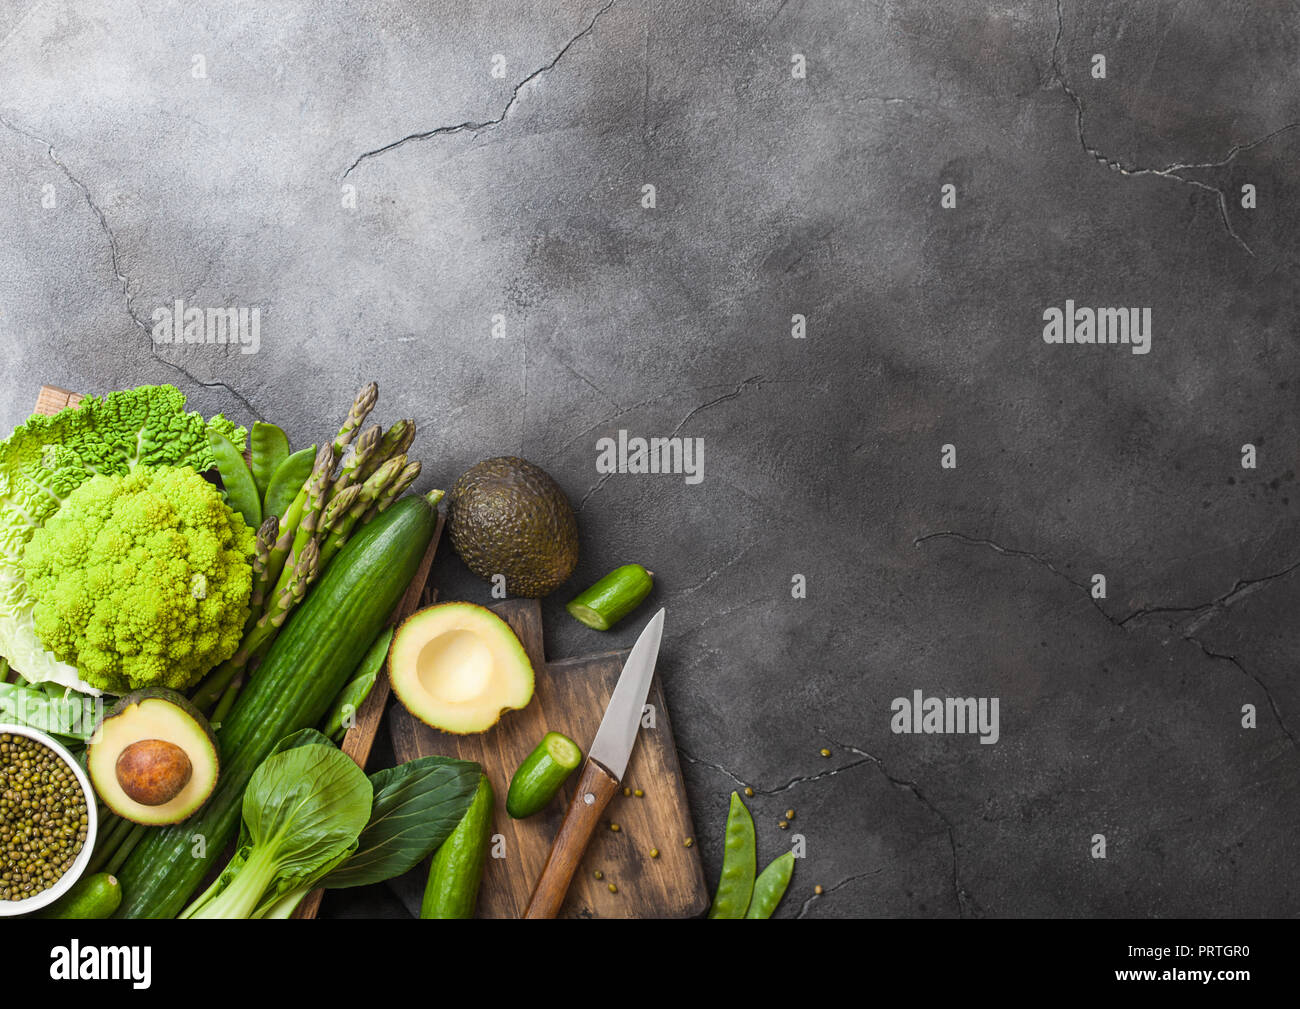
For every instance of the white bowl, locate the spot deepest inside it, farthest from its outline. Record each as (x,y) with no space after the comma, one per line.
(64,883)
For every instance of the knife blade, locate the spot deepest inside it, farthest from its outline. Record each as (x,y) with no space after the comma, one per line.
(601,772)
(616,736)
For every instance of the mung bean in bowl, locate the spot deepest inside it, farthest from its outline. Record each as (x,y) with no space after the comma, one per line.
(47,820)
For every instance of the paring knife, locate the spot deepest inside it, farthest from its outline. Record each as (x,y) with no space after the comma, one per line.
(601,772)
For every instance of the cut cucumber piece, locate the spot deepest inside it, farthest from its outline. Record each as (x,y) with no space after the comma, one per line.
(541,774)
(613,597)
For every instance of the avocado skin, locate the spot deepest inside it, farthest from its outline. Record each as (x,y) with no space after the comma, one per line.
(507,516)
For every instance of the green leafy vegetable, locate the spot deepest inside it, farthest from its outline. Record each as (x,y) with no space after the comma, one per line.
(304,809)
(47,458)
(141,580)
(67,713)
(269,448)
(358,688)
(417,805)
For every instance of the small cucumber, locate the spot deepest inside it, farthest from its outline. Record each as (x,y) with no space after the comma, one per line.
(541,774)
(613,597)
(94,896)
(457,867)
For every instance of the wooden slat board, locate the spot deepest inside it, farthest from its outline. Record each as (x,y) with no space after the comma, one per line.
(570,697)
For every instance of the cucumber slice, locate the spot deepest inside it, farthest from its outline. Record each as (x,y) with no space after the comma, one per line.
(541,774)
(613,597)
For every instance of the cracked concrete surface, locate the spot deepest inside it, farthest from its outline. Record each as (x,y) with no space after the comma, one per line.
(360,175)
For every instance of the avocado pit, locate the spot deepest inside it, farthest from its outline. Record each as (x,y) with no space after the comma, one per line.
(153,771)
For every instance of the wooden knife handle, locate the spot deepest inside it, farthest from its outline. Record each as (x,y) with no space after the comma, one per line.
(596,786)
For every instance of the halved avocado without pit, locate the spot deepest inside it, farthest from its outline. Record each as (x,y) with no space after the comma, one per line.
(458,667)
(153,758)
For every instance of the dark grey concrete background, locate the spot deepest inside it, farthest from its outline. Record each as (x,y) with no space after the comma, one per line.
(776,196)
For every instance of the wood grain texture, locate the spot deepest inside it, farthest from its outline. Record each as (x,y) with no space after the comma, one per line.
(52,399)
(571,697)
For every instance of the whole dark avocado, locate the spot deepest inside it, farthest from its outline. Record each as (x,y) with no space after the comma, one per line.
(508,517)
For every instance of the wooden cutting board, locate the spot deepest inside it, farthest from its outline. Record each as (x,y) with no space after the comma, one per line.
(570,697)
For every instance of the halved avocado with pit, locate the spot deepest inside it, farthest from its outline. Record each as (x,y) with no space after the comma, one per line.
(153,758)
(458,667)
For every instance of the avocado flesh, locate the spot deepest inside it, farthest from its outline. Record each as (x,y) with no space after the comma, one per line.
(458,667)
(508,517)
(153,714)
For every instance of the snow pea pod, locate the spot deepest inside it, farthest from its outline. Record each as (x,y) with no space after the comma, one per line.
(770,886)
(357,689)
(269,446)
(237,478)
(287,481)
(736,886)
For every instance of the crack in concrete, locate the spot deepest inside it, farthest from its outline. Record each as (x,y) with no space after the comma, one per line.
(1201,613)
(471,126)
(712,574)
(114,263)
(756,380)
(966,905)
(828,890)
(1169,171)
(1268,694)
(779,789)
(1012,552)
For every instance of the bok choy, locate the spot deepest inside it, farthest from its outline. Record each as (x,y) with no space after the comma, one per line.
(313,819)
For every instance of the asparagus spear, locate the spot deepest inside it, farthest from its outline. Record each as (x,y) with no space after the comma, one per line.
(336,511)
(287,537)
(266,537)
(356,457)
(316,490)
(367,494)
(361,407)
(397,489)
(397,440)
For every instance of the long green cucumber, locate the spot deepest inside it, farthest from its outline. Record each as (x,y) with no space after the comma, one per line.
(95,896)
(541,774)
(457,867)
(303,672)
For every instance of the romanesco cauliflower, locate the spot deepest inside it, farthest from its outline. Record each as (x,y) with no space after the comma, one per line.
(141,580)
(45,459)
